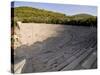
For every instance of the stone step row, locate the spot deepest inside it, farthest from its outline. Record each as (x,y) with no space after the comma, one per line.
(67,61)
(89,61)
(58,58)
(77,61)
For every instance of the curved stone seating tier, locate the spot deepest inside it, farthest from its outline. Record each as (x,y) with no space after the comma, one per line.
(66,48)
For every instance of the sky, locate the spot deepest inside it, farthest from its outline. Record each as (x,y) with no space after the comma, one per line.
(67,9)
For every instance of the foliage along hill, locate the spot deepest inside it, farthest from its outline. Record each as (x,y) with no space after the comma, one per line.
(29,14)
(83,15)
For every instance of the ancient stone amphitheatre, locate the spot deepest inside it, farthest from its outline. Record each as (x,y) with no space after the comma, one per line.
(50,47)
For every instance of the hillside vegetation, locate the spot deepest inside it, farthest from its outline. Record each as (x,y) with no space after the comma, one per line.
(29,14)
